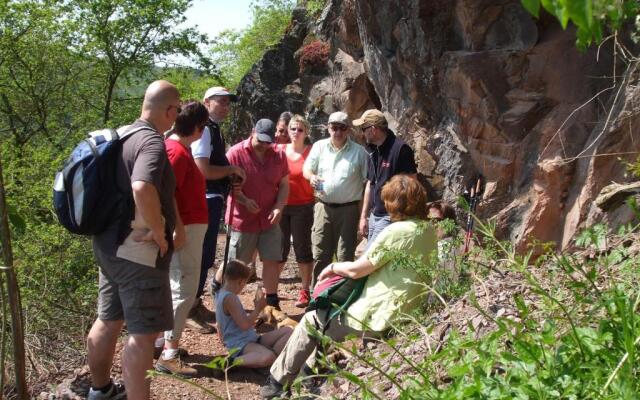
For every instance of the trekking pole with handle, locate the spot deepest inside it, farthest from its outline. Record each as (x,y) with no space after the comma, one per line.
(232,204)
(473,202)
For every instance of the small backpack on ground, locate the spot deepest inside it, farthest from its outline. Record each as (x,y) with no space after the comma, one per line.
(336,294)
(86,196)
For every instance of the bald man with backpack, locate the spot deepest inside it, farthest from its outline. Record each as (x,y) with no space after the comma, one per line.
(134,275)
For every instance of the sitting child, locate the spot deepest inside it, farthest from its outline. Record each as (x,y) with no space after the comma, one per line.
(236,327)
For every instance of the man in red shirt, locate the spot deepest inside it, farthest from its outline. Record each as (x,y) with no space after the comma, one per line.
(254,212)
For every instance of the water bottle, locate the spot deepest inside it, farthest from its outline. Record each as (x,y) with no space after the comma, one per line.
(319,188)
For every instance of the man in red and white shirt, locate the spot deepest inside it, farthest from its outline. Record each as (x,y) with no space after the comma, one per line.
(254,212)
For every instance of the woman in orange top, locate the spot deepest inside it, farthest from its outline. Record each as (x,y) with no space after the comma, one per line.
(297,217)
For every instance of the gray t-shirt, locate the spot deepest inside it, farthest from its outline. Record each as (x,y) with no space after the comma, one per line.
(144,158)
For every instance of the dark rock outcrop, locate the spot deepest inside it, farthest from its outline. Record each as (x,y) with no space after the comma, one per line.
(478,87)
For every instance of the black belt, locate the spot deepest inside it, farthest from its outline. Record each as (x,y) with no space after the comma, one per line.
(336,205)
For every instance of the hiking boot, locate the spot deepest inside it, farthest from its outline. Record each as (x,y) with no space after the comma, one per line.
(175,366)
(195,324)
(310,383)
(194,308)
(271,389)
(116,392)
(157,352)
(303,299)
(201,312)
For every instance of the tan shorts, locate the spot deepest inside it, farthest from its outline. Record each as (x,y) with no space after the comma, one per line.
(244,244)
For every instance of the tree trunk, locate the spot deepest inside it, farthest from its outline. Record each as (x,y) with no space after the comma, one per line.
(14,296)
(111,86)
(107,106)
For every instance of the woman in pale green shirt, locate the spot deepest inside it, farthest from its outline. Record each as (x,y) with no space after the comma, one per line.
(393,281)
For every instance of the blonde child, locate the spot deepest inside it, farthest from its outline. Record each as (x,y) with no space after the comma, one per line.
(236,326)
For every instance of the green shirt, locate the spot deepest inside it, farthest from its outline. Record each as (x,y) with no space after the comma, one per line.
(344,170)
(391,288)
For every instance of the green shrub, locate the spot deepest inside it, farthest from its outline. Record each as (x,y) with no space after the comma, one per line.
(578,338)
(56,271)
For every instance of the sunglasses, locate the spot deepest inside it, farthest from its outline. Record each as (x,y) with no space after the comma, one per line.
(339,127)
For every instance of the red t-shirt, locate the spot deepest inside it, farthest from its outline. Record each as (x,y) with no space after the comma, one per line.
(300,190)
(190,184)
(262,185)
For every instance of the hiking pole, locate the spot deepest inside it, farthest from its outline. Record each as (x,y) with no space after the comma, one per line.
(232,204)
(473,202)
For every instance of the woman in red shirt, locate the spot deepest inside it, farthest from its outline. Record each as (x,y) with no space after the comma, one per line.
(297,217)
(191,202)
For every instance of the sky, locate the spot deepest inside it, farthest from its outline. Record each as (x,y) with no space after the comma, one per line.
(214,16)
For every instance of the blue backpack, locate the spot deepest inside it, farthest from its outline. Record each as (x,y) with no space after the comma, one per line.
(86,196)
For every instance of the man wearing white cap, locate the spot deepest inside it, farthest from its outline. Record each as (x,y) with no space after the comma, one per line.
(209,155)
(337,168)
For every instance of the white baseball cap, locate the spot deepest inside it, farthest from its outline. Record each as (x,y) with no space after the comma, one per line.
(219,91)
(339,117)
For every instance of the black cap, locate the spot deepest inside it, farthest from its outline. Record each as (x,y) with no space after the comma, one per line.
(266,130)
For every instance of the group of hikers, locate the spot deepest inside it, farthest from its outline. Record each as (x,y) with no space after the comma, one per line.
(279,192)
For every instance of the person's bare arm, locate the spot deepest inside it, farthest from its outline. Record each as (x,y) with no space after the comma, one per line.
(307,173)
(348,269)
(281,200)
(147,199)
(363,226)
(213,172)
(233,307)
(242,199)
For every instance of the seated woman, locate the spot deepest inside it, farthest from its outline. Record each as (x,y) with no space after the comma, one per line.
(391,286)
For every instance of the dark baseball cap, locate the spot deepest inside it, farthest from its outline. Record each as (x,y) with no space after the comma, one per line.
(265,130)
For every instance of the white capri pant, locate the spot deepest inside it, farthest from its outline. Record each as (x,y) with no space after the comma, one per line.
(184,274)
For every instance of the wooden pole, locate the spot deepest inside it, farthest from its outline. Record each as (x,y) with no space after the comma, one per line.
(17,329)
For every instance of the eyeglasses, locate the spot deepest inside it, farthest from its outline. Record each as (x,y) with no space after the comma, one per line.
(364,129)
(339,127)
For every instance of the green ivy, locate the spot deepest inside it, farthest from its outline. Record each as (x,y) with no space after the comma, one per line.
(592,18)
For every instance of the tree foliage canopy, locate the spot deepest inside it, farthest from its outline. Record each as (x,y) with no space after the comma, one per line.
(591,17)
(67,68)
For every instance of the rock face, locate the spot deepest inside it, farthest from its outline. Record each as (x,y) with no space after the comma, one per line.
(477,87)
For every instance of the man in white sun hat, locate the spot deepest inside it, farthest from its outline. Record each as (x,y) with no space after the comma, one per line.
(209,154)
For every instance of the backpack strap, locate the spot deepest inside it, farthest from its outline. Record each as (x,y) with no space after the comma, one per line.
(124,225)
(126,131)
